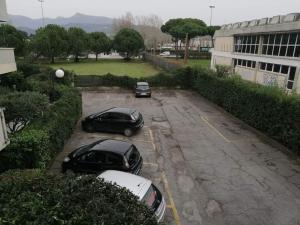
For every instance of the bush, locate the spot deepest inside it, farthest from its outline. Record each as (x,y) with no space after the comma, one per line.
(38,198)
(22,107)
(109,80)
(267,109)
(15,80)
(39,142)
(28,69)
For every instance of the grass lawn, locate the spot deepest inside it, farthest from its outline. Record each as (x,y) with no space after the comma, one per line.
(134,68)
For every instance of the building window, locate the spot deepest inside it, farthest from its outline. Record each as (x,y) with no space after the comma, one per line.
(291,78)
(244,63)
(246,44)
(284,45)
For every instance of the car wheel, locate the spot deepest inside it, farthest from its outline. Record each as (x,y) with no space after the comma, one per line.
(128,132)
(89,128)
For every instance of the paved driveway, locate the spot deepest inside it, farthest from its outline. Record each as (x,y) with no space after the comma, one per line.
(211,167)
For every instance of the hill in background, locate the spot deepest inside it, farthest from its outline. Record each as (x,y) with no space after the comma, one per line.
(86,22)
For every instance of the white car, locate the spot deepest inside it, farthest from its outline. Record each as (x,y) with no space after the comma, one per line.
(166,53)
(141,187)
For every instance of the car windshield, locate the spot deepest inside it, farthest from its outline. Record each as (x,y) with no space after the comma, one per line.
(132,155)
(150,197)
(135,115)
(143,86)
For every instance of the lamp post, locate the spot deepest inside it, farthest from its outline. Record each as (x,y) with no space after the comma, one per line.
(211,13)
(42,2)
(58,74)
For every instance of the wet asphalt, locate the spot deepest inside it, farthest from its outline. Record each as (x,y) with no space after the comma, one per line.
(212,168)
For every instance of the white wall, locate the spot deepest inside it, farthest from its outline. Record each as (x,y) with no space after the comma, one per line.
(3,11)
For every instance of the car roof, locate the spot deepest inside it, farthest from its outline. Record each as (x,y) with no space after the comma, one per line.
(142,83)
(135,184)
(121,110)
(115,146)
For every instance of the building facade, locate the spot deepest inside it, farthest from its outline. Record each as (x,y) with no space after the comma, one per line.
(265,51)
(7,57)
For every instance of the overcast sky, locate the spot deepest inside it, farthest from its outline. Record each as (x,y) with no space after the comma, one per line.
(226,11)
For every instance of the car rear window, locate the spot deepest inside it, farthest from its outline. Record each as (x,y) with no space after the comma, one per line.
(132,155)
(150,197)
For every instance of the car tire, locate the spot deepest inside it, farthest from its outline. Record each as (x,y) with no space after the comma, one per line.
(128,132)
(89,128)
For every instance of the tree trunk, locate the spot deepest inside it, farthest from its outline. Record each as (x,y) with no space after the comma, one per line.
(52,59)
(187,43)
(96,56)
(176,48)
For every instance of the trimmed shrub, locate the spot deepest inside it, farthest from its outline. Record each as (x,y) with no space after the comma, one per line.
(22,107)
(28,69)
(267,109)
(39,198)
(110,80)
(15,80)
(39,142)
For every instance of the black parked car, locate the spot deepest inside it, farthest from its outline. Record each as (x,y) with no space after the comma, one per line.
(115,120)
(142,89)
(104,155)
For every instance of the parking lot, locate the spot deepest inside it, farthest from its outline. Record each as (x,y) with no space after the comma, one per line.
(211,168)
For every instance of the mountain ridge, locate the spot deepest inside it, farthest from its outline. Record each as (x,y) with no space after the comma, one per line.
(86,22)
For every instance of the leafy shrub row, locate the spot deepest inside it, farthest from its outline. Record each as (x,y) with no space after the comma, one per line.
(38,142)
(109,80)
(38,198)
(267,109)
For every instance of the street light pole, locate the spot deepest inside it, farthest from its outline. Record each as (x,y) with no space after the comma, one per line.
(42,7)
(211,13)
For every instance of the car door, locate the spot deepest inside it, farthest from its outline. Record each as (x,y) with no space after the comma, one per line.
(88,162)
(102,122)
(113,162)
(122,121)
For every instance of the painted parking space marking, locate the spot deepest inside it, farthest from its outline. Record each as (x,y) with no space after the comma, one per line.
(205,120)
(172,203)
(167,186)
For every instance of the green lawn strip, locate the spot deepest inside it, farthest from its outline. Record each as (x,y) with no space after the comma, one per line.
(134,68)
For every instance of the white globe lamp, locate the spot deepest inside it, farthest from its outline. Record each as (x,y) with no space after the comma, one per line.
(59,73)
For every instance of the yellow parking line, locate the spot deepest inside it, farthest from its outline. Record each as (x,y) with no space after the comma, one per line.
(172,203)
(169,206)
(215,129)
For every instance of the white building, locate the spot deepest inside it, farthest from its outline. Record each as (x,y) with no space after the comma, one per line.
(266,51)
(7,57)
(7,64)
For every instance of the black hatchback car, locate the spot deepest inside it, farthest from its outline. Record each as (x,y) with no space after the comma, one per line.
(142,89)
(104,155)
(115,120)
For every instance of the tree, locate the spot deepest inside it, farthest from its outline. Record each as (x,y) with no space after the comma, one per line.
(184,30)
(78,42)
(50,41)
(10,37)
(99,43)
(22,107)
(211,31)
(128,42)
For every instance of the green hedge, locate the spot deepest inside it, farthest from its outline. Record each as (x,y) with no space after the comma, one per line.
(38,198)
(38,143)
(267,109)
(109,80)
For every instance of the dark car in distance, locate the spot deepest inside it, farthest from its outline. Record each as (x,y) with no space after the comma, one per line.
(104,155)
(115,120)
(142,89)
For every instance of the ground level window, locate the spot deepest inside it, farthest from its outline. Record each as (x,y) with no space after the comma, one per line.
(291,78)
